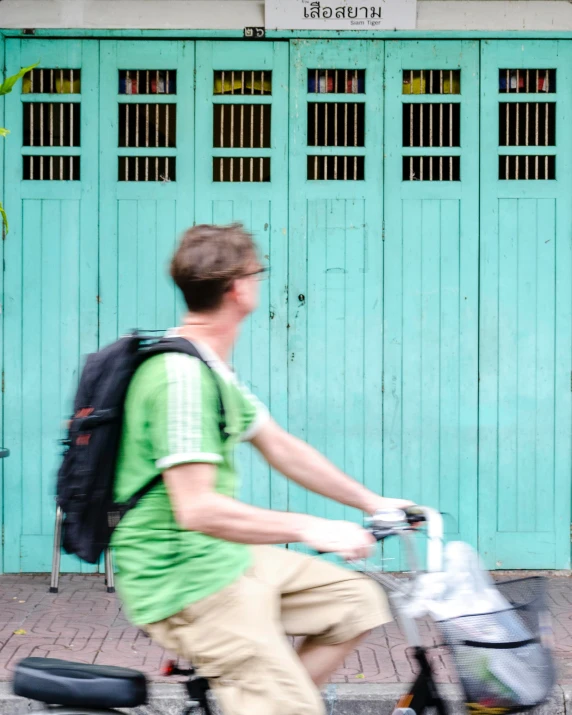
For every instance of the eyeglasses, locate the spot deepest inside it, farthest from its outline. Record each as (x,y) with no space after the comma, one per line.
(261,272)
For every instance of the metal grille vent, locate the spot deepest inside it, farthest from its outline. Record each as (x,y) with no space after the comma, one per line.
(527,124)
(336,124)
(242,82)
(432,125)
(240,169)
(242,126)
(51,168)
(147,168)
(431,168)
(51,124)
(336,168)
(148,125)
(527,81)
(431,82)
(52,81)
(147,81)
(336,81)
(527,168)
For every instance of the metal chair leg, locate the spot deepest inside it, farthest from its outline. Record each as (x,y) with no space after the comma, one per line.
(54,584)
(109,576)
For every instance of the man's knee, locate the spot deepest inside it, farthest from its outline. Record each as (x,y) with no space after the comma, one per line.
(367,598)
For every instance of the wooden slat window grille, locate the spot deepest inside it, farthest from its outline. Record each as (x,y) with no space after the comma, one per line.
(527,123)
(431,168)
(336,124)
(147,81)
(527,81)
(52,124)
(241,169)
(147,125)
(242,126)
(147,168)
(242,82)
(431,125)
(52,81)
(336,81)
(336,168)
(431,82)
(51,168)
(527,168)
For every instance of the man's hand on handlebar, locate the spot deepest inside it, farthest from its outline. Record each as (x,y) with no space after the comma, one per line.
(387,504)
(350,541)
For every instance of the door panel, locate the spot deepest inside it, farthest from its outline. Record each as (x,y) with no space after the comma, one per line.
(525,333)
(51,278)
(242,176)
(366,209)
(336,259)
(431,279)
(147,175)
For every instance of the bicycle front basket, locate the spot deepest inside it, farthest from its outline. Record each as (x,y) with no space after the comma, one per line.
(503,659)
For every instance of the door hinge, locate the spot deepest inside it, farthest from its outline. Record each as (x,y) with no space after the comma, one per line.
(383,231)
(382,382)
(3,537)
(3,383)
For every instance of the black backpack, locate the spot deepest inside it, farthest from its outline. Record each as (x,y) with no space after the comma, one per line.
(87,473)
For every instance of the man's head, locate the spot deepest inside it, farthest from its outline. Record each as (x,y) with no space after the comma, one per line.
(216,267)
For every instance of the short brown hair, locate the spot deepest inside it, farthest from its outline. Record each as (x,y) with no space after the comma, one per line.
(207,261)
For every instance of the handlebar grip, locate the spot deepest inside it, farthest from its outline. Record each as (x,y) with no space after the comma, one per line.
(380,534)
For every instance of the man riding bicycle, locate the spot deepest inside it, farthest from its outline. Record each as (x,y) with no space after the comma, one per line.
(196,567)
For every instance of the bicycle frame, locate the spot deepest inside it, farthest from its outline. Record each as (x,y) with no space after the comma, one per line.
(423,693)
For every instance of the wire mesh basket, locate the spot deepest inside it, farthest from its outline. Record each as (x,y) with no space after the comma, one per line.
(504,659)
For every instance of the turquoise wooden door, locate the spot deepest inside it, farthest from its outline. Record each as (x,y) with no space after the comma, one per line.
(430,337)
(50,287)
(242,176)
(147,179)
(525,318)
(336,259)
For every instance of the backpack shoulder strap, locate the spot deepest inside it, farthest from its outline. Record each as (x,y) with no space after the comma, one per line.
(161,347)
(182,345)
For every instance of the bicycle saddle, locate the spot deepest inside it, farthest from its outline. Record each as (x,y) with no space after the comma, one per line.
(59,682)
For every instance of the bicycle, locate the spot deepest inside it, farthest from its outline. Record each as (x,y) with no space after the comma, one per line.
(77,689)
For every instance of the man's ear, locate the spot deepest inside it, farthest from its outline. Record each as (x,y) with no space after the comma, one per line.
(233,291)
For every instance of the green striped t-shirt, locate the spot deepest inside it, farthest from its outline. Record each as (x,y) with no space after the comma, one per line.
(172,417)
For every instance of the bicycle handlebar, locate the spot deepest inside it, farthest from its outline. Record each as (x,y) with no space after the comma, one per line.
(397,522)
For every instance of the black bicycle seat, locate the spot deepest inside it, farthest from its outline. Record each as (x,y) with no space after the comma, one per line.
(59,682)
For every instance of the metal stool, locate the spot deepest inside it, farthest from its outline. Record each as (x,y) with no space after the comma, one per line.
(109,577)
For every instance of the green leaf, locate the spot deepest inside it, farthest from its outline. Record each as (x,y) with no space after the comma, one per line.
(4,218)
(9,82)
(4,132)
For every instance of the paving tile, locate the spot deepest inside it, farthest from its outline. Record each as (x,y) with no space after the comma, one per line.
(86,624)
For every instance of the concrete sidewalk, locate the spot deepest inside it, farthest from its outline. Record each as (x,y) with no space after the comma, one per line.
(83,623)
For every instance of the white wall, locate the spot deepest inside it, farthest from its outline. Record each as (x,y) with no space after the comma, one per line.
(496,15)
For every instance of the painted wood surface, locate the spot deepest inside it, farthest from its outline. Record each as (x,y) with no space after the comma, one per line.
(416,332)
(430,338)
(525,329)
(336,279)
(50,305)
(260,357)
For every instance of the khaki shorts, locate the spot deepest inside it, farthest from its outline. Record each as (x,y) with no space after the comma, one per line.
(237,638)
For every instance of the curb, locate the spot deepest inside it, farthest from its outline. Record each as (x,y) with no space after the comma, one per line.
(343,699)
